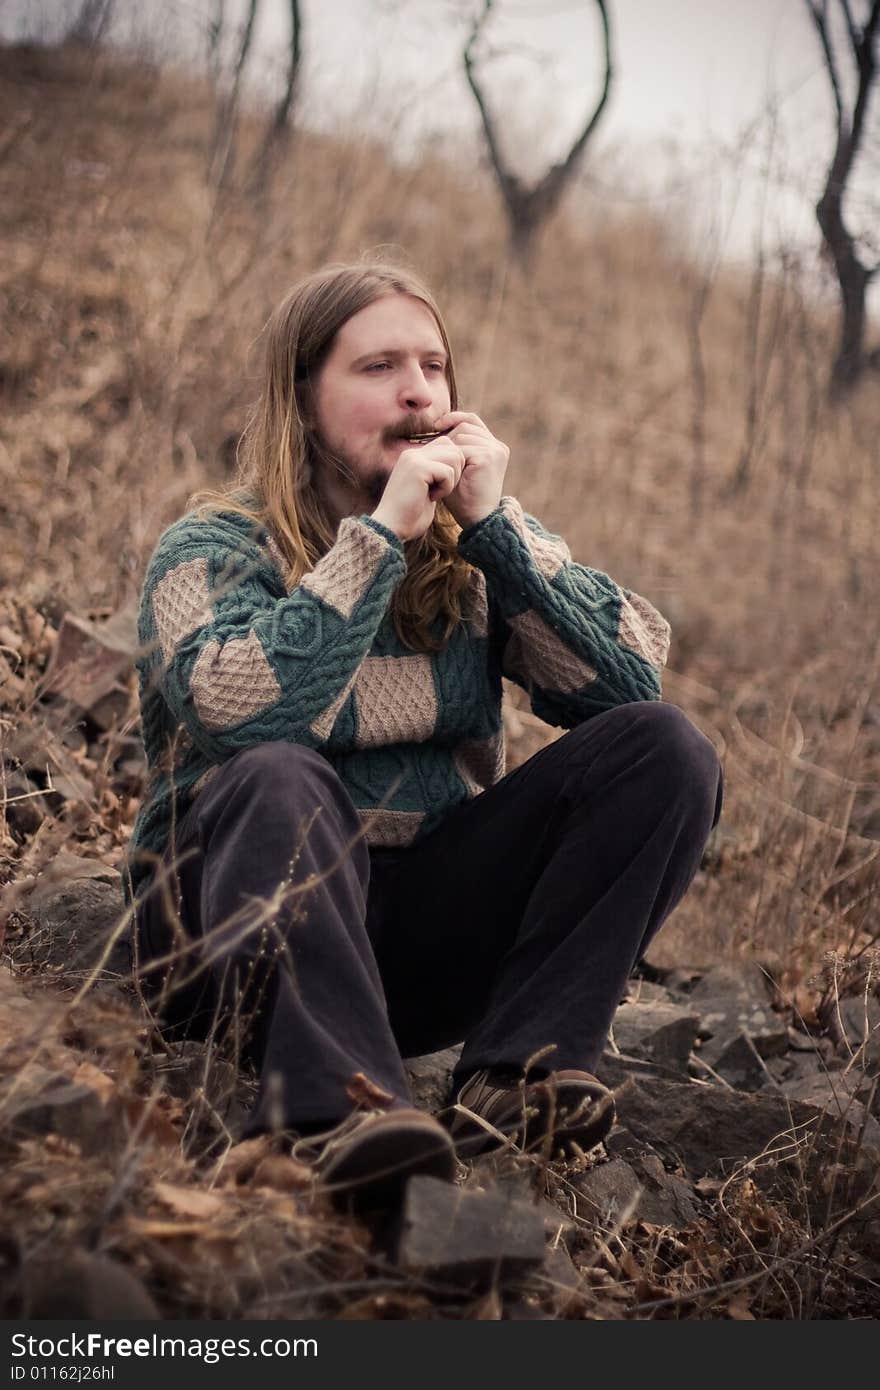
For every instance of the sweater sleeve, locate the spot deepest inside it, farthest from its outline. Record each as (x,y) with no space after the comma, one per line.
(575,640)
(239,660)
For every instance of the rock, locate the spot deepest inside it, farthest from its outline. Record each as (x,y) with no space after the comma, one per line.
(741,1065)
(218,1095)
(191,1071)
(660,1031)
(36,1101)
(24,807)
(559,1278)
(641,1188)
(86,1287)
(639,991)
(430,1077)
(838,1093)
(470,1236)
(708,1128)
(614,1070)
(855,1022)
(66,866)
(28,1020)
(78,906)
(734,1004)
(90,659)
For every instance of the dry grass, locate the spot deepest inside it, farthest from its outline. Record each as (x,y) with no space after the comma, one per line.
(631,391)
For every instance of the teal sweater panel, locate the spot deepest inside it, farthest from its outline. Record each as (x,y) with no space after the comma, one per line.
(231,658)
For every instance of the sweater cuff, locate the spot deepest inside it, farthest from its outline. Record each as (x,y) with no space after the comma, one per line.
(473,532)
(384,531)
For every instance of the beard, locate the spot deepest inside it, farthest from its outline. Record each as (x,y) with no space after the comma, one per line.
(366,483)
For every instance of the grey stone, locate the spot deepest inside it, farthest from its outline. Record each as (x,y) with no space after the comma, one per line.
(90,659)
(467,1235)
(741,1065)
(86,1286)
(191,1073)
(856,1023)
(559,1279)
(734,1001)
(802,1042)
(614,1070)
(639,991)
(640,1188)
(608,1193)
(745,981)
(78,906)
(430,1077)
(708,1128)
(40,1102)
(839,1094)
(658,1030)
(24,807)
(667,1199)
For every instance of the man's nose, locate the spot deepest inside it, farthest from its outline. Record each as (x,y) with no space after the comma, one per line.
(415,389)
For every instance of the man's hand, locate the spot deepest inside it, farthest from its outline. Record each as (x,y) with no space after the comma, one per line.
(485,462)
(420,478)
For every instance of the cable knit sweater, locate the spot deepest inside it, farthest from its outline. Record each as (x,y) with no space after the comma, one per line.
(231,658)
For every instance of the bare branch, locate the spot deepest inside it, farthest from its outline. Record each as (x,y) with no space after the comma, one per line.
(867,65)
(224,129)
(279,128)
(851,27)
(562,172)
(505,177)
(853,277)
(283,109)
(819,18)
(91,22)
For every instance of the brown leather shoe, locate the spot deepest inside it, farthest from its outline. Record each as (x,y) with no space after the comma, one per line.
(569,1109)
(369,1159)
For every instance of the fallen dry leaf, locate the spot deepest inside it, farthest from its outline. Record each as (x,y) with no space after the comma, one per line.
(166,1230)
(738,1308)
(188,1201)
(97,1081)
(240,1162)
(363,1092)
(283,1174)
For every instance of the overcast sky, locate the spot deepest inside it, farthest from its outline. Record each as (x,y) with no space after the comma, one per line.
(705,91)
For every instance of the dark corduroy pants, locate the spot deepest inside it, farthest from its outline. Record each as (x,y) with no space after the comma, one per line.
(512,927)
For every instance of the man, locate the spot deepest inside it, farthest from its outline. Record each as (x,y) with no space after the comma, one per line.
(329,847)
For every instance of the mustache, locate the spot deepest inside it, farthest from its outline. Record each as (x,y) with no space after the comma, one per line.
(410,425)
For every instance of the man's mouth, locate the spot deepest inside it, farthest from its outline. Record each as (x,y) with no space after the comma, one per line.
(414,431)
(425,435)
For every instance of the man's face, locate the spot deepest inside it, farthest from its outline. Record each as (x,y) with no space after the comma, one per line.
(384,379)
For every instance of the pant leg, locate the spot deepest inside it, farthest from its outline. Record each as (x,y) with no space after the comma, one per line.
(276,894)
(516,924)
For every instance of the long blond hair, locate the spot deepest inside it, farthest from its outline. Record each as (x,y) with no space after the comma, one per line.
(280,453)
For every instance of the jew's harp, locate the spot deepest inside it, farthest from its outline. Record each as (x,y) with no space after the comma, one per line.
(426,436)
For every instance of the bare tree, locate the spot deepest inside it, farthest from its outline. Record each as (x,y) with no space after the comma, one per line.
(227,110)
(853,276)
(91,22)
(214,38)
(528,208)
(278,130)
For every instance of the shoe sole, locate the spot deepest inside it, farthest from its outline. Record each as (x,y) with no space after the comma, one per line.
(374,1168)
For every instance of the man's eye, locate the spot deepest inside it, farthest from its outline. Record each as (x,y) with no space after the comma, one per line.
(378,366)
(435,366)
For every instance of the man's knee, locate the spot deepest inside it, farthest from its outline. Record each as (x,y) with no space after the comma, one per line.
(688,757)
(676,749)
(286,776)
